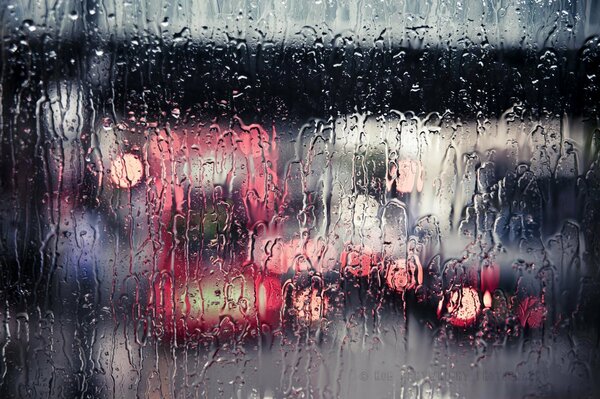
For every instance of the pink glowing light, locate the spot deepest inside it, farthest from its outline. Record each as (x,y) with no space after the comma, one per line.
(310,305)
(407,174)
(403,274)
(531,312)
(359,261)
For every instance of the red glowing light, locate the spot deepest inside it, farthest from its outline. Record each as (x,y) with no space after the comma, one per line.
(197,298)
(490,276)
(243,299)
(260,188)
(243,160)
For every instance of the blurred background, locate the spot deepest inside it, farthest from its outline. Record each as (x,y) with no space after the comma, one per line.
(300,199)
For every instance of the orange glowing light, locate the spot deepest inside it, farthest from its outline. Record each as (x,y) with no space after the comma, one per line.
(487,299)
(464,306)
(126,171)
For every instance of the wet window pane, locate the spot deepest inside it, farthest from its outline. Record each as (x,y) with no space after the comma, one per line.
(298,199)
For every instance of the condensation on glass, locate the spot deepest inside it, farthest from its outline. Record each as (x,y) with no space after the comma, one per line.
(303,199)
